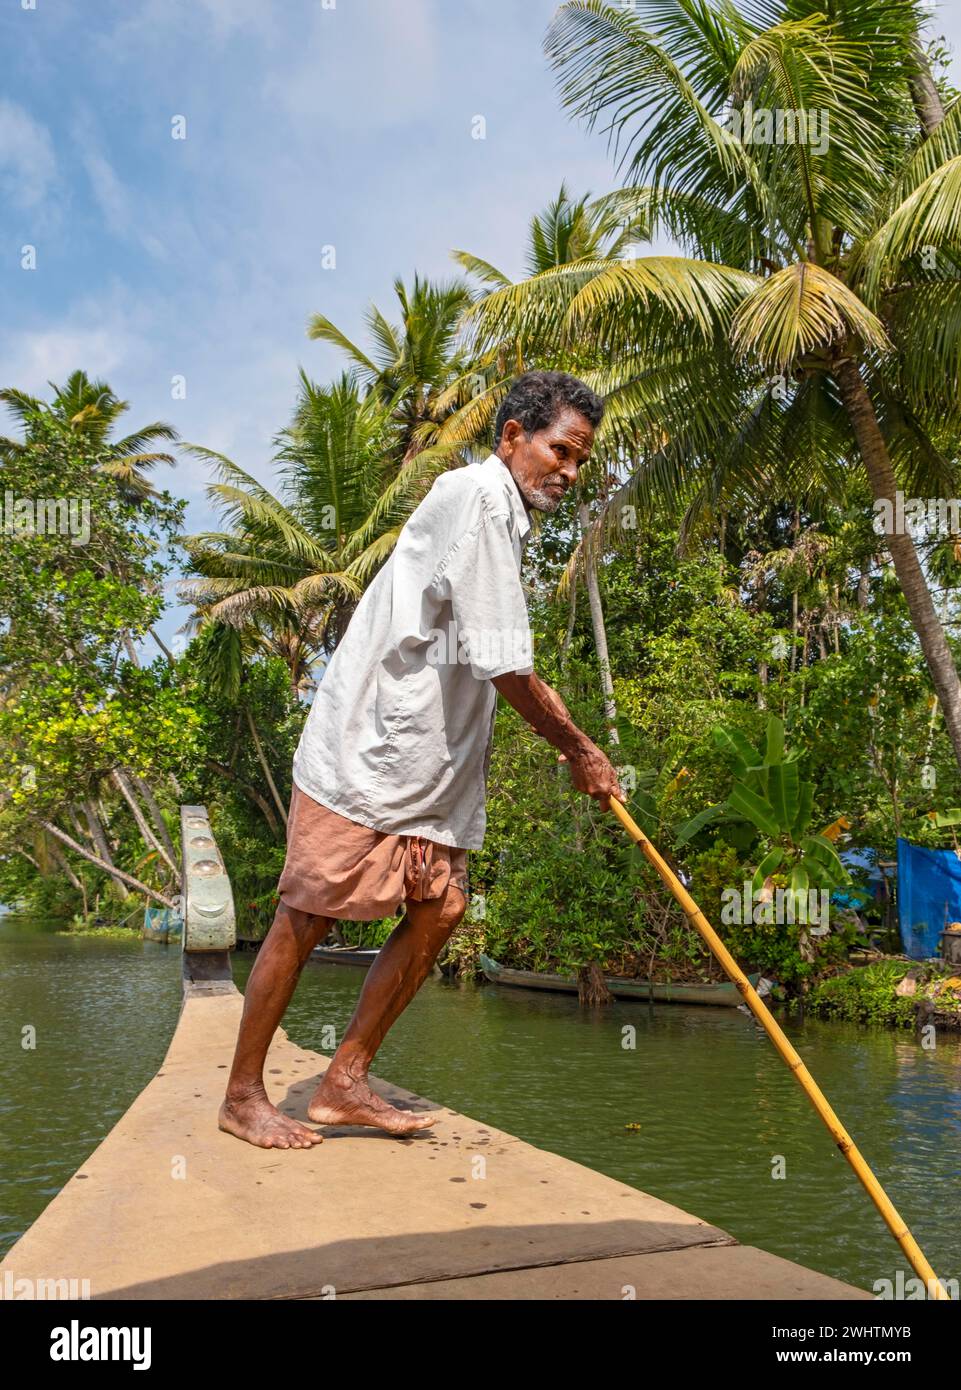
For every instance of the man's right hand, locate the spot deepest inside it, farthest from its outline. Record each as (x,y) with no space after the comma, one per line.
(593,772)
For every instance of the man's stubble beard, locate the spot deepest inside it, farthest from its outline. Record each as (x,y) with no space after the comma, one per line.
(541,499)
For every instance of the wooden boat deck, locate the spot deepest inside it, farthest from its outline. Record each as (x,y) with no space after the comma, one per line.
(169,1207)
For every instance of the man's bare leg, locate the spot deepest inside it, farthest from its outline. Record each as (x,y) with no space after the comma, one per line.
(402,965)
(246,1111)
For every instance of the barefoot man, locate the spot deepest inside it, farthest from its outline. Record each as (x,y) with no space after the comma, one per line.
(390,775)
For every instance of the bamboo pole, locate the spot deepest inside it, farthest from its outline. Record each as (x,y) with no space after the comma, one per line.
(755,1003)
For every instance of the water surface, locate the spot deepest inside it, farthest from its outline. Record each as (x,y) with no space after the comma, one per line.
(717,1109)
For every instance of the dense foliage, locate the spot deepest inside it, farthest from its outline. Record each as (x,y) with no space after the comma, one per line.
(774,675)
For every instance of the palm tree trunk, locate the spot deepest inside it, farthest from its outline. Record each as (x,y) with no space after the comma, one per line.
(571,618)
(99,838)
(146,833)
(264,764)
(108,867)
(907,566)
(156,815)
(60,860)
(762,670)
(165,649)
(836,620)
(75,819)
(252,793)
(924,94)
(597,622)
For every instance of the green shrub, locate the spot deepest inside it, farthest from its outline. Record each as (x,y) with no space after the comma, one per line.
(865,994)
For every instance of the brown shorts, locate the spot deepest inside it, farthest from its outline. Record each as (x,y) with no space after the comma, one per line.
(337,868)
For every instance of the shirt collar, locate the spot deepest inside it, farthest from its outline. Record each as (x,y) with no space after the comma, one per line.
(518,505)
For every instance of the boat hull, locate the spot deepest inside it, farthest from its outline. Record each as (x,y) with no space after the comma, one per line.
(724,994)
(344,955)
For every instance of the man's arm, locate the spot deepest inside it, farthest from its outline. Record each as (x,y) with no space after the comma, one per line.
(591,770)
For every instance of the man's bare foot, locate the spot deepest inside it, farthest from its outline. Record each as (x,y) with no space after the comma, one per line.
(341,1099)
(254,1118)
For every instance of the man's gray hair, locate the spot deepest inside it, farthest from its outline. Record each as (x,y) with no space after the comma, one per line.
(537,398)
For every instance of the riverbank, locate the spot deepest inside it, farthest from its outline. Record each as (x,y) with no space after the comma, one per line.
(893,992)
(124,929)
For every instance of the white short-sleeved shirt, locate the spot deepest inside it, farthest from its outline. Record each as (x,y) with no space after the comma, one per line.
(399,734)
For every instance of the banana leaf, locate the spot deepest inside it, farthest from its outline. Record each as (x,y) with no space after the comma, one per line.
(767,866)
(774,752)
(783,784)
(805,807)
(735,746)
(754,808)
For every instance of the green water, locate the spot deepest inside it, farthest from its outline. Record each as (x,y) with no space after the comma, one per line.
(715,1104)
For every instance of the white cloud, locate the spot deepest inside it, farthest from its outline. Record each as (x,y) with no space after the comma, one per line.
(89,338)
(360,68)
(28,164)
(151,22)
(123,217)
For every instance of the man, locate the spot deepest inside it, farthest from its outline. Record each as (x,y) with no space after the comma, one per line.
(390,774)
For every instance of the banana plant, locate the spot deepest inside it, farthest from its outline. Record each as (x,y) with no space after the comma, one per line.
(770,797)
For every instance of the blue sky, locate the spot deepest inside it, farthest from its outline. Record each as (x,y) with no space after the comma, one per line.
(306,126)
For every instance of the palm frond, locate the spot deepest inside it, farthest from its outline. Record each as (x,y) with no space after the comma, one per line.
(924,160)
(366,565)
(481,270)
(929,219)
(799,310)
(629,301)
(822,159)
(321,328)
(140,442)
(924,322)
(609,65)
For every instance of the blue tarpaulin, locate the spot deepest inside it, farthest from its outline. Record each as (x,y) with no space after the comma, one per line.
(863,865)
(929,897)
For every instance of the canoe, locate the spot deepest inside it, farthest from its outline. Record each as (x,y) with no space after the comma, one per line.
(723,993)
(344,955)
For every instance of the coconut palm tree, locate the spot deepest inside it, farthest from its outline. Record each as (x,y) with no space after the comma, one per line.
(289,568)
(814,323)
(410,364)
(91,409)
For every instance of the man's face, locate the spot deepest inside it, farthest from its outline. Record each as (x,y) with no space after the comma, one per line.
(546,465)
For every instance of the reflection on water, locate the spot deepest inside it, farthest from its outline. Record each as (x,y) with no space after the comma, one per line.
(717,1108)
(104,1012)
